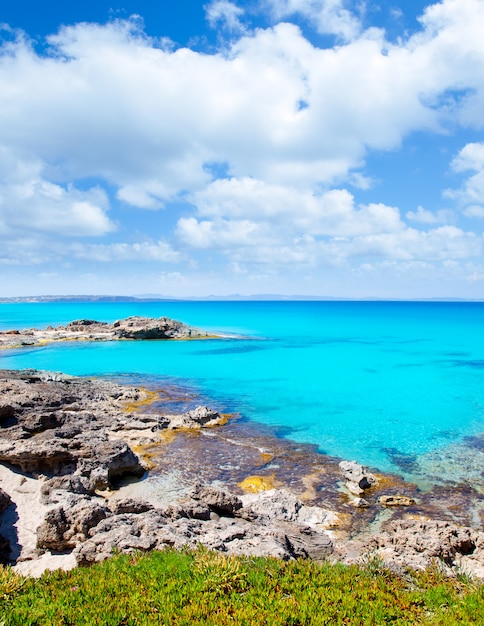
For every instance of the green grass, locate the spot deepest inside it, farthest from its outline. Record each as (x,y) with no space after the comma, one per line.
(201,587)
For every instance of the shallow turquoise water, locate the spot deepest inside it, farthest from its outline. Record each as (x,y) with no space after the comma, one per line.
(373,381)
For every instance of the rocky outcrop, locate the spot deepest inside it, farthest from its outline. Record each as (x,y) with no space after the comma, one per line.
(149,328)
(131,328)
(65,426)
(357,478)
(417,543)
(213,518)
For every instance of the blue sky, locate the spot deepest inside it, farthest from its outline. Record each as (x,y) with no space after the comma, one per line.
(319,147)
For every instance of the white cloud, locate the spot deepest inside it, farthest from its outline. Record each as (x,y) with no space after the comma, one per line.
(471,193)
(438,244)
(330,213)
(423,216)
(327,16)
(115,252)
(225,13)
(147,120)
(292,122)
(29,202)
(285,225)
(219,233)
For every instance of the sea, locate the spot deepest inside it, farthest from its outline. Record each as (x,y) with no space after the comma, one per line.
(397,386)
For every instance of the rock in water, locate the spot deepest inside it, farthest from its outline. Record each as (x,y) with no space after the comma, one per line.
(358,479)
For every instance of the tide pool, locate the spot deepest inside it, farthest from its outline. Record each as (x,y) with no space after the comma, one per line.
(384,383)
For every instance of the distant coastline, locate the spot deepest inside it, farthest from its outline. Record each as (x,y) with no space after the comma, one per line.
(213,298)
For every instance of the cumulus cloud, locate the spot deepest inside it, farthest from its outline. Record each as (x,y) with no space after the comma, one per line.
(29,202)
(471,193)
(423,216)
(329,213)
(142,251)
(327,16)
(147,120)
(219,233)
(253,222)
(291,122)
(225,13)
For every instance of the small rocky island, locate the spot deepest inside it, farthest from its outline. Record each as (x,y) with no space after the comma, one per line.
(67,442)
(131,328)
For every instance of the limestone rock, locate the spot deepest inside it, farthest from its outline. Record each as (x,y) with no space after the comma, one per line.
(62,529)
(359,503)
(217,500)
(137,328)
(358,479)
(5,501)
(129,505)
(417,543)
(197,418)
(147,328)
(396,500)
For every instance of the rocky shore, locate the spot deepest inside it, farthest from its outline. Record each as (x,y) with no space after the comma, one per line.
(67,444)
(137,328)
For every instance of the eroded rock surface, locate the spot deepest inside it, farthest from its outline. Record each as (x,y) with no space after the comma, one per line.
(213,518)
(60,425)
(417,543)
(358,479)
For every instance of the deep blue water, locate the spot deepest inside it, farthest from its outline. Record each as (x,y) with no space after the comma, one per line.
(362,380)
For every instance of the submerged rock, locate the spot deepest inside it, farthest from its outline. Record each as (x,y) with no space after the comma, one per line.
(396,500)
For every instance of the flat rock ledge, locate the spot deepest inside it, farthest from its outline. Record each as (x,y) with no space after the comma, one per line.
(65,442)
(134,328)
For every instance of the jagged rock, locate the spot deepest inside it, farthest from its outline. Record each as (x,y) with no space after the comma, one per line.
(126,533)
(417,543)
(108,461)
(199,417)
(358,479)
(62,529)
(219,501)
(61,489)
(155,530)
(5,501)
(279,504)
(43,421)
(39,455)
(359,503)
(82,326)
(50,534)
(190,509)
(129,505)
(274,504)
(148,328)
(396,500)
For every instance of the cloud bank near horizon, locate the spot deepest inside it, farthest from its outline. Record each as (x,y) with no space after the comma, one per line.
(247,166)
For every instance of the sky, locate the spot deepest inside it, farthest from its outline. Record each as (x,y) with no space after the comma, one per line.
(296,147)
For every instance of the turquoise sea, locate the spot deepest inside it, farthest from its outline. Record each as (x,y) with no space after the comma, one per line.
(389,384)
